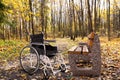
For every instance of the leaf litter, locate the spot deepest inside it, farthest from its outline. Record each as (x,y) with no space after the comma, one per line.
(110,54)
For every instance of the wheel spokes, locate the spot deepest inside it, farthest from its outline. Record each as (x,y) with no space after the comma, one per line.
(29,59)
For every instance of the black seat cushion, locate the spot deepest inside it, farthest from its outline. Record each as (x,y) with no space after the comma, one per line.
(50,50)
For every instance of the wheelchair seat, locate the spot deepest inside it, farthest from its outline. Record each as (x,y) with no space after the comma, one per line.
(50,50)
(39,38)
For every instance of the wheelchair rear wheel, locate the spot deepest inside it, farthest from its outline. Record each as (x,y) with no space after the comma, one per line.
(29,59)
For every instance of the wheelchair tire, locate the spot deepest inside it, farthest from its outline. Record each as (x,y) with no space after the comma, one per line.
(29,59)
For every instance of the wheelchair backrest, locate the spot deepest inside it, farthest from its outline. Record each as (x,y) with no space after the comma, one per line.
(37,38)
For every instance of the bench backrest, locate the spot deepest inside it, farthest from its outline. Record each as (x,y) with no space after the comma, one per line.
(96,44)
(91,39)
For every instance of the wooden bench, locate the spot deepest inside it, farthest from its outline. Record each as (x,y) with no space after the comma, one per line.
(93,57)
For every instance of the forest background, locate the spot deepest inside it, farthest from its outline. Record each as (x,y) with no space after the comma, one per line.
(68,21)
(59,18)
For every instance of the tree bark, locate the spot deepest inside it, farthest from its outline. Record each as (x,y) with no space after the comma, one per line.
(4,33)
(74,22)
(42,15)
(60,16)
(89,18)
(82,15)
(95,16)
(31,17)
(108,19)
(20,29)
(70,20)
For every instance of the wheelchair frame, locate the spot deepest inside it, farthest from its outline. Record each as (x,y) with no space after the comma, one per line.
(38,61)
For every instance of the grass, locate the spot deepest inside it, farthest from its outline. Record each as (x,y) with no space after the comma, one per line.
(9,50)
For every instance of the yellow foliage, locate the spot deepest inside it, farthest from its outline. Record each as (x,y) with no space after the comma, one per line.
(27,18)
(10,11)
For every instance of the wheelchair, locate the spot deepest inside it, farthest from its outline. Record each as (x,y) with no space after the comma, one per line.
(40,54)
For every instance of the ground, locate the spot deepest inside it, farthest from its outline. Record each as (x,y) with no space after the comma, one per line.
(11,70)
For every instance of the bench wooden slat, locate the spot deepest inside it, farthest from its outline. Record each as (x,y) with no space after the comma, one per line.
(78,50)
(71,50)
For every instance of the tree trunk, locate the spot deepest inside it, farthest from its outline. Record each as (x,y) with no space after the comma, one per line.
(119,24)
(31,16)
(3,32)
(82,15)
(46,27)
(60,17)
(108,20)
(16,31)
(99,22)
(79,23)
(74,22)
(27,31)
(95,16)
(89,18)
(20,30)
(42,15)
(70,20)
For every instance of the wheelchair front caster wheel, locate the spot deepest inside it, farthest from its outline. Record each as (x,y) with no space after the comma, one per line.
(62,67)
(46,74)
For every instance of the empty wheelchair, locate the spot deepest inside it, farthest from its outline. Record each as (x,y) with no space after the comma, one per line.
(40,54)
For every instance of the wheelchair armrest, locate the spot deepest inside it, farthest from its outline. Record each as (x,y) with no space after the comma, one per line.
(46,43)
(50,40)
(35,43)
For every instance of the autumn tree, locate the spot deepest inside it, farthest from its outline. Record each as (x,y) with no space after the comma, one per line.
(89,17)
(3,19)
(61,18)
(108,19)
